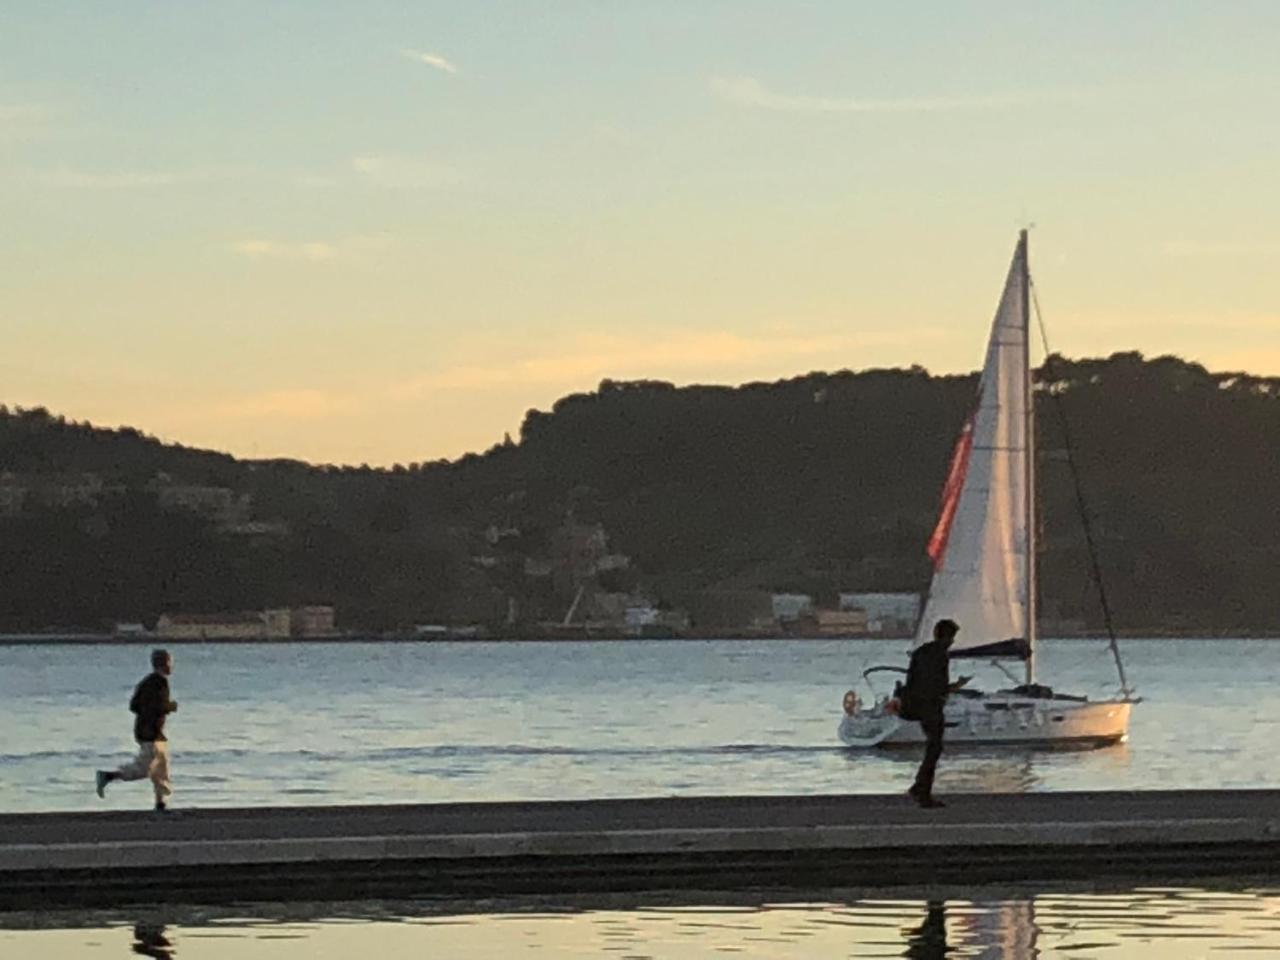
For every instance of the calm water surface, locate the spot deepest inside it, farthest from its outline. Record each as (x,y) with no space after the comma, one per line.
(338,723)
(1160,924)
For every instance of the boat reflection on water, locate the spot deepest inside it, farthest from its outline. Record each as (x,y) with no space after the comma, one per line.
(977,769)
(1003,930)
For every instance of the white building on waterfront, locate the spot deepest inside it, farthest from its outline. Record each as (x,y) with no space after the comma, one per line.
(889,613)
(789,607)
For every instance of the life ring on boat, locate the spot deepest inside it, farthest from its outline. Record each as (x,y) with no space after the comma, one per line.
(850,703)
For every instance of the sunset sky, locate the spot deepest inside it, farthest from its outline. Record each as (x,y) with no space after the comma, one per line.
(381,231)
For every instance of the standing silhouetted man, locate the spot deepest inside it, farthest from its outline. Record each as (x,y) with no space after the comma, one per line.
(150,705)
(925,694)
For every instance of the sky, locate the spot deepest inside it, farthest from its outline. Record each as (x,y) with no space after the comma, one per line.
(381,232)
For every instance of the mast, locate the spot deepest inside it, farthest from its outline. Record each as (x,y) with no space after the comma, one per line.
(1029,460)
(1095,567)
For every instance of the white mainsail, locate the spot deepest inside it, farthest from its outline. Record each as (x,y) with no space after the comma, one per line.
(982,547)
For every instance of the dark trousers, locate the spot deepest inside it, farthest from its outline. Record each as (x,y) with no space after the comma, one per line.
(932,724)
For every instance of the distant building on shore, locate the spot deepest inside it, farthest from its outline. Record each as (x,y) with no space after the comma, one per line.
(316,621)
(730,611)
(280,623)
(841,623)
(790,607)
(891,614)
(247,625)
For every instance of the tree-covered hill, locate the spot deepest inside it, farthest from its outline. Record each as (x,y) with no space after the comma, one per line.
(820,483)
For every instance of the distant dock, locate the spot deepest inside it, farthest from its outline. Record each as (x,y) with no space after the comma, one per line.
(599,846)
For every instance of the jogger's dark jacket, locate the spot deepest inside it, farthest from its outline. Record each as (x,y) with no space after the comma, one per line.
(151,704)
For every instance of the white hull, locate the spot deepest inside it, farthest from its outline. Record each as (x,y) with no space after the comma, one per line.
(998,719)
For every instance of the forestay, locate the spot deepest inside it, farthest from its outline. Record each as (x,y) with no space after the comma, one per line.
(981,548)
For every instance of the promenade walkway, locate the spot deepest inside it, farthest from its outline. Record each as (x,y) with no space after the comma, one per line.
(710,843)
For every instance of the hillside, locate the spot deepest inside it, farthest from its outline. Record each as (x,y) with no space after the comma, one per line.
(816,484)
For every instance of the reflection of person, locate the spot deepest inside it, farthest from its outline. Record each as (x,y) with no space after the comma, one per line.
(150,705)
(925,695)
(929,940)
(149,941)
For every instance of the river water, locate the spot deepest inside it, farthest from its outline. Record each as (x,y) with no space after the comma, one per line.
(385,722)
(344,723)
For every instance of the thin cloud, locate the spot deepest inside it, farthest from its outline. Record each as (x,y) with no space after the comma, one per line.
(18,113)
(701,355)
(274,250)
(1218,250)
(613,133)
(23,121)
(749,92)
(66,177)
(403,173)
(308,251)
(430,59)
(316,181)
(1261,362)
(1150,327)
(296,404)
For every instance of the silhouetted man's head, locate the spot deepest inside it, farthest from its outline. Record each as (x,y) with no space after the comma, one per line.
(944,631)
(161,662)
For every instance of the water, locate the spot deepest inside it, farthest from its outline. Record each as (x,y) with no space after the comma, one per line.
(1155,923)
(339,723)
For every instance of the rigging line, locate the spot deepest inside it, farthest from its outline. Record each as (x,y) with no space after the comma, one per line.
(1085,522)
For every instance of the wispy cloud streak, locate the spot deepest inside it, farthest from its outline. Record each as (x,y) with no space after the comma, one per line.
(1219,249)
(73,179)
(21,112)
(678,355)
(275,250)
(406,173)
(23,121)
(308,251)
(749,92)
(291,404)
(430,59)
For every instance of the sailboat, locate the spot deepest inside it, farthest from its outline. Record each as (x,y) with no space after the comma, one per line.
(984,554)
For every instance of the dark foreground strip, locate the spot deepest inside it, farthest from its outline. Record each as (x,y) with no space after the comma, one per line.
(517,876)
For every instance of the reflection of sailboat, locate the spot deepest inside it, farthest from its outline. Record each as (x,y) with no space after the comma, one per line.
(985,571)
(1001,931)
(1005,930)
(978,769)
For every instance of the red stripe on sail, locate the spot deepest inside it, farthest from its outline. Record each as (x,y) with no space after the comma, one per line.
(951,494)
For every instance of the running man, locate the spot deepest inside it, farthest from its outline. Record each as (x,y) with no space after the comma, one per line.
(150,705)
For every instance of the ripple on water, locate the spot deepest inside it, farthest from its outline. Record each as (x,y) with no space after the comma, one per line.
(1128,925)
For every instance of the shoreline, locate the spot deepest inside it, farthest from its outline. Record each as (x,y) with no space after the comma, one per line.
(107,639)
